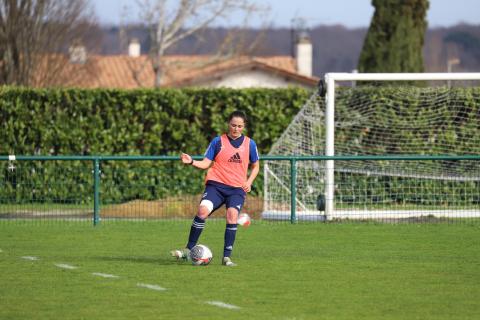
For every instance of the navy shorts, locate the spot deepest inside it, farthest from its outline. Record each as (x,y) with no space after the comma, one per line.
(220,194)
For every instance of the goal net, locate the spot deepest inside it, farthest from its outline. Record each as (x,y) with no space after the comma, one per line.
(377,119)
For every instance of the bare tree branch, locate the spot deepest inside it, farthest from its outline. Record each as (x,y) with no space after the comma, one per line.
(187,18)
(32,35)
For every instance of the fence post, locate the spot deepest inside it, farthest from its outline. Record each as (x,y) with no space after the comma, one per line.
(96,191)
(293,188)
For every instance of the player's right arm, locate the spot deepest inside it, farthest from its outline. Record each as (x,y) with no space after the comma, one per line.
(210,154)
(202,164)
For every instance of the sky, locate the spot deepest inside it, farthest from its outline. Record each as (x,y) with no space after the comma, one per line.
(351,13)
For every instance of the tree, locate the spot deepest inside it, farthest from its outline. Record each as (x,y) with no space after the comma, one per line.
(395,38)
(169,24)
(33,34)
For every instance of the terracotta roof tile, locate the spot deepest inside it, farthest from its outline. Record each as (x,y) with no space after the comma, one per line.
(122,71)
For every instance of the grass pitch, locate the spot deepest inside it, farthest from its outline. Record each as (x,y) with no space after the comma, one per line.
(305,271)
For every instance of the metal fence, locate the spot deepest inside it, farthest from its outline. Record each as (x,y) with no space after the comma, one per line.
(104,188)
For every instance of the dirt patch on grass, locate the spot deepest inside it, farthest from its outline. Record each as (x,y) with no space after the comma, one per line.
(172,207)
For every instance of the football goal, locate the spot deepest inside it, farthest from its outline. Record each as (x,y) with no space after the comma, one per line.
(394,146)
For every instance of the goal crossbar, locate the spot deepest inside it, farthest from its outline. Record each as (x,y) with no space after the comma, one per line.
(342,76)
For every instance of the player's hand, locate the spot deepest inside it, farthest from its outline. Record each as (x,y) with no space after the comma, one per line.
(247,187)
(186,159)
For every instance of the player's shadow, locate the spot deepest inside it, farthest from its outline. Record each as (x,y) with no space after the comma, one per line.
(143,259)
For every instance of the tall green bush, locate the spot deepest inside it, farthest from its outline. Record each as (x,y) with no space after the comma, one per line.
(395,38)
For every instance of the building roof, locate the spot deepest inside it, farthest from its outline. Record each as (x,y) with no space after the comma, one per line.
(125,72)
(280,66)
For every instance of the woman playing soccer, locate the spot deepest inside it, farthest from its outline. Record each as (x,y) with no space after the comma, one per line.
(227,182)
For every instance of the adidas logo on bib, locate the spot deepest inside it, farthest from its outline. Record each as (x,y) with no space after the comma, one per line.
(235,158)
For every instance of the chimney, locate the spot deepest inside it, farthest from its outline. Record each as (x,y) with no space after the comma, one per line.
(134,48)
(304,53)
(77,53)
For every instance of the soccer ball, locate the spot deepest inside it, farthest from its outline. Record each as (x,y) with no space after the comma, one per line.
(244,220)
(201,255)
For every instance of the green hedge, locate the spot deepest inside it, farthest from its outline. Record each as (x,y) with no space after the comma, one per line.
(448,118)
(361,189)
(168,121)
(121,122)
(140,122)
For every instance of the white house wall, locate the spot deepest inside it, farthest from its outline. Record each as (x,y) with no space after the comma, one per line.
(253,78)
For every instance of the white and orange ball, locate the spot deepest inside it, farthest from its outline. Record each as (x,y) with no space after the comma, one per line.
(200,255)
(244,220)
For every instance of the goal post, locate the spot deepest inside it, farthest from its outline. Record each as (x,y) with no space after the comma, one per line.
(332,78)
(379,117)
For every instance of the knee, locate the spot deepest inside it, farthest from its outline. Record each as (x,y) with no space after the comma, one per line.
(232,215)
(203,212)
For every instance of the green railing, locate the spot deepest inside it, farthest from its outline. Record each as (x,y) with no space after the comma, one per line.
(293,171)
(293,161)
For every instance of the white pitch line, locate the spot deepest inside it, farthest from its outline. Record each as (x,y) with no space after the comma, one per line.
(222,304)
(30,258)
(105,275)
(151,286)
(65,266)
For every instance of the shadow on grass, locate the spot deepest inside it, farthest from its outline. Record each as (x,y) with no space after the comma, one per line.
(166,261)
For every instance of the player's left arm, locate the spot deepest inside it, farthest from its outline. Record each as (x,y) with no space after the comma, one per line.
(254,167)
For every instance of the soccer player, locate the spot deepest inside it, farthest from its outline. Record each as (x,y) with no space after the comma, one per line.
(227,182)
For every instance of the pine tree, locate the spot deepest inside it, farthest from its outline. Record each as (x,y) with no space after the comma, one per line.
(395,38)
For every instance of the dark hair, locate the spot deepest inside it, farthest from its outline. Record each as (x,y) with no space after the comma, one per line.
(238,114)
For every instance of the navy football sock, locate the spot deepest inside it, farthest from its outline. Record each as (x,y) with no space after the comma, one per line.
(195,231)
(230,232)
